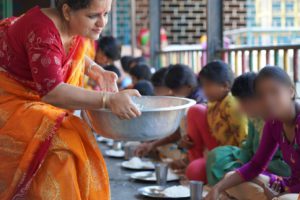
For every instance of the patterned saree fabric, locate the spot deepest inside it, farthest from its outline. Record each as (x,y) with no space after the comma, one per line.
(46,152)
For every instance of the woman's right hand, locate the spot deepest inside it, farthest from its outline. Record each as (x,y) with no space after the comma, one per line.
(121,104)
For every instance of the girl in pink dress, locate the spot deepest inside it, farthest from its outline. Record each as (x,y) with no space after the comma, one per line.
(277,96)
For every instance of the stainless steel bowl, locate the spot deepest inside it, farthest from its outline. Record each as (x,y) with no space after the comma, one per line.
(160,117)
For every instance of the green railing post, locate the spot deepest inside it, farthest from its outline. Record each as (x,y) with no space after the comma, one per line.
(7,8)
(250,61)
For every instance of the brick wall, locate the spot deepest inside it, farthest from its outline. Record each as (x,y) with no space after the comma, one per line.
(185,21)
(234,14)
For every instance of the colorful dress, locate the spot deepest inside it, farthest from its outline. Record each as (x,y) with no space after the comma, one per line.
(171,150)
(46,152)
(224,159)
(272,139)
(226,123)
(208,127)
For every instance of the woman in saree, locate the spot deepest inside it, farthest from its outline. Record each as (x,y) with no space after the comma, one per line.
(46,152)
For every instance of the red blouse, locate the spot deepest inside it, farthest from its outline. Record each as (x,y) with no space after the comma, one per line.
(32,52)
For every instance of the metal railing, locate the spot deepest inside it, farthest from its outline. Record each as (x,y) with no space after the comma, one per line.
(195,58)
(241,59)
(246,59)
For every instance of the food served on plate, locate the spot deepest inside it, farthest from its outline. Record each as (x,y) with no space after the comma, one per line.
(177,191)
(150,176)
(115,153)
(137,163)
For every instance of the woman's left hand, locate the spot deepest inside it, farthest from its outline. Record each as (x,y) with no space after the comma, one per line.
(106,80)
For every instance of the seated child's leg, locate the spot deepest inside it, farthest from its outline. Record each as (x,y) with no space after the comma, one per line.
(198,131)
(196,170)
(249,190)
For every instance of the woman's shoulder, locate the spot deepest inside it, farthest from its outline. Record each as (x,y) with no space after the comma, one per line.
(34,20)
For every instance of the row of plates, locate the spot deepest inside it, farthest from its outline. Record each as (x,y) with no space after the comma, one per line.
(148,175)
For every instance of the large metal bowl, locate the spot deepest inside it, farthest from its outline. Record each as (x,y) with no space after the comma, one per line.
(160,117)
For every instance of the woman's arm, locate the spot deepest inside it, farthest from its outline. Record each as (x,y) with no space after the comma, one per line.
(106,80)
(75,98)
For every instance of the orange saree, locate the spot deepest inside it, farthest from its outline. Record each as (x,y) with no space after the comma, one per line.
(46,152)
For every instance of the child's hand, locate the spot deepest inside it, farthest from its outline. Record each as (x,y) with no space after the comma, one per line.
(144,149)
(186,142)
(180,164)
(213,194)
(269,192)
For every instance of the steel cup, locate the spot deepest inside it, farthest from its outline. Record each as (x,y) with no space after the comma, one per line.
(117,146)
(161,172)
(196,188)
(129,152)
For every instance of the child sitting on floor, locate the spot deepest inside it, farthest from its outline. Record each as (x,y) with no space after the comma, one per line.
(182,81)
(145,88)
(159,83)
(224,159)
(218,123)
(140,72)
(276,96)
(108,51)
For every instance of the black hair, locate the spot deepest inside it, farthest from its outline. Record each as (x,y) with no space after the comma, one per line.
(180,75)
(273,72)
(113,68)
(110,47)
(74,4)
(125,62)
(136,61)
(145,88)
(218,72)
(243,86)
(141,72)
(159,77)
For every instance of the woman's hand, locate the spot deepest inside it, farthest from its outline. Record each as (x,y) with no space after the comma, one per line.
(121,104)
(144,149)
(106,80)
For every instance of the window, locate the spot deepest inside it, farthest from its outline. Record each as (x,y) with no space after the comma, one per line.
(289,21)
(289,6)
(276,6)
(276,21)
